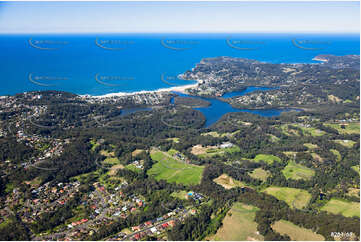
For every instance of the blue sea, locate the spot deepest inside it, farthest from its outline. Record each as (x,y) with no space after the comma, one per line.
(98,64)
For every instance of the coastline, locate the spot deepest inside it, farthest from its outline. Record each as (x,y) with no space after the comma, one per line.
(181,89)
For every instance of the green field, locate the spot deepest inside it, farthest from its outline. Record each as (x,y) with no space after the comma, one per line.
(111,161)
(132,167)
(289,131)
(311,131)
(336,153)
(180,194)
(296,171)
(238,225)
(269,159)
(217,135)
(350,128)
(220,151)
(295,198)
(260,174)
(295,232)
(346,143)
(310,146)
(94,144)
(356,168)
(172,170)
(175,140)
(347,209)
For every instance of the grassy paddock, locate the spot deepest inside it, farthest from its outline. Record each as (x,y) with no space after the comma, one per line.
(346,143)
(347,209)
(356,168)
(269,159)
(296,171)
(295,198)
(337,154)
(173,170)
(239,225)
(260,174)
(228,182)
(349,128)
(295,232)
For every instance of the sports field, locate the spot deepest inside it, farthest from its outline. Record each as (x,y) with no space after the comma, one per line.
(295,198)
(296,171)
(173,170)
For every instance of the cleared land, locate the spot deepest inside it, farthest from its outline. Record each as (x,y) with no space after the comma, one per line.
(290,153)
(175,140)
(317,157)
(311,131)
(228,182)
(239,225)
(217,135)
(114,169)
(212,150)
(347,209)
(180,194)
(356,168)
(260,174)
(295,198)
(296,171)
(269,159)
(137,152)
(173,170)
(295,232)
(107,153)
(346,143)
(311,146)
(336,153)
(346,128)
(353,192)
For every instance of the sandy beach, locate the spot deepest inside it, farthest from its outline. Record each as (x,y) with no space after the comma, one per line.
(181,89)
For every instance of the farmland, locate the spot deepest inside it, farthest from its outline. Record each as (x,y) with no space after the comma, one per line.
(238,225)
(295,198)
(346,143)
(173,170)
(228,182)
(296,171)
(269,159)
(347,209)
(337,154)
(349,128)
(295,232)
(260,174)
(210,151)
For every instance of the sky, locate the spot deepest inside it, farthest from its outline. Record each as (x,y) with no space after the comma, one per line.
(169,17)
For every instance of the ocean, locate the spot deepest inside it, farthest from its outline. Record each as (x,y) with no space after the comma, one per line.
(98,64)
